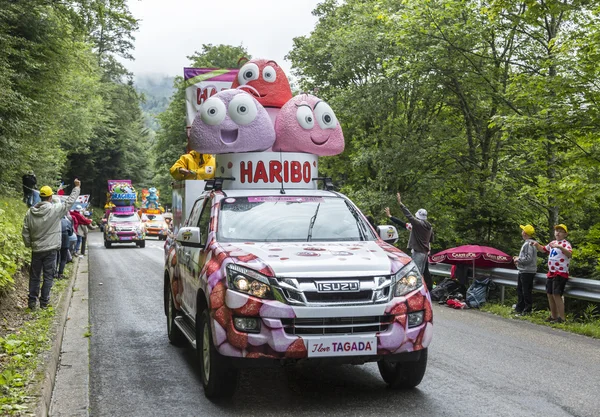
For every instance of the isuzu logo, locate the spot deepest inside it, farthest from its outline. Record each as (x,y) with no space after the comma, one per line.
(348,286)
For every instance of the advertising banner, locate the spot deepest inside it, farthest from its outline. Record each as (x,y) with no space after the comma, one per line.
(83,199)
(263,170)
(202,83)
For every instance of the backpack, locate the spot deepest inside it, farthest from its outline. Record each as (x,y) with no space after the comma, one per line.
(478,292)
(446,289)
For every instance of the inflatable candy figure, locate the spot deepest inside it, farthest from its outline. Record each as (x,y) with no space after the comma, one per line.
(308,124)
(121,192)
(269,83)
(152,198)
(231,121)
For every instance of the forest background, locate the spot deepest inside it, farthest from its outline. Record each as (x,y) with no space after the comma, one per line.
(484,113)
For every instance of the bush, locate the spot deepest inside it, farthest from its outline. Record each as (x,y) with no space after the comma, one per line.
(13,253)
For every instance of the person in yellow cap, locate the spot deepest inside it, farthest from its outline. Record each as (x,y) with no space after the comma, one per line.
(194,166)
(43,234)
(560,252)
(526,263)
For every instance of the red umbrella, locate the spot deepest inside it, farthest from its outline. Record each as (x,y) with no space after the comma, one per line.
(478,256)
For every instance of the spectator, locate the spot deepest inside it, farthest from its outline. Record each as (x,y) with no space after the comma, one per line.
(194,166)
(526,263)
(63,255)
(80,222)
(61,189)
(560,253)
(421,236)
(29,185)
(84,230)
(42,233)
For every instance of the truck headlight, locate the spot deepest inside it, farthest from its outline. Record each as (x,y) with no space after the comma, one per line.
(407,280)
(248,281)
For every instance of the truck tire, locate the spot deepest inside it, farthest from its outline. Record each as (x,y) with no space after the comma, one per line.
(107,244)
(218,378)
(403,375)
(176,336)
(142,244)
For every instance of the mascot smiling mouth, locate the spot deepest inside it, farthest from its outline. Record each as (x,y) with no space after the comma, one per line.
(319,141)
(229,135)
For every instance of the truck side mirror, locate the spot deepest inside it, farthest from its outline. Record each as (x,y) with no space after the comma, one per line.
(189,236)
(388,233)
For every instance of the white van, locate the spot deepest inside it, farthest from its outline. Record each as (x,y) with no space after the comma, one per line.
(266,269)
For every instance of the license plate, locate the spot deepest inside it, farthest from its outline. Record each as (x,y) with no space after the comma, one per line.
(126,238)
(342,346)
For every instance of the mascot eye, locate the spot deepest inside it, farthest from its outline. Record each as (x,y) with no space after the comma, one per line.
(242,109)
(213,111)
(248,72)
(325,116)
(305,117)
(269,74)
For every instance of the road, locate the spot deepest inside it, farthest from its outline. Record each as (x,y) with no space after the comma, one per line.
(479,364)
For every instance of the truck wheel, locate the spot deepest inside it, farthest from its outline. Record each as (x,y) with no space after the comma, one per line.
(107,244)
(403,375)
(218,378)
(176,336)
(142,244)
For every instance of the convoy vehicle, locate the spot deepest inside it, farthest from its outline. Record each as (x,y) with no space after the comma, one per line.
(123,224)
(155,225)
(124,228)
(266,269)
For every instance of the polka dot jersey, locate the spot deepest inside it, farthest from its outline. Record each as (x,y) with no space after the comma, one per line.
(558,262)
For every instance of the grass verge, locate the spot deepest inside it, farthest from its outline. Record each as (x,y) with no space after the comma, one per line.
(585,326)
(22,355)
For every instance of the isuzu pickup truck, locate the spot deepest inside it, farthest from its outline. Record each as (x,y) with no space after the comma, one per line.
(266,269)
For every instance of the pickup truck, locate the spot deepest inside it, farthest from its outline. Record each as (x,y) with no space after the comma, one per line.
(265,269)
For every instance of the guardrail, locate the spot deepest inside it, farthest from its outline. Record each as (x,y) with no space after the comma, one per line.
(585,289)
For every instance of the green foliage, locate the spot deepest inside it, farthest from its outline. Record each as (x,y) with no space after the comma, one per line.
(483,113)
(589,327)
(13,254)
(67,106)
(21,355)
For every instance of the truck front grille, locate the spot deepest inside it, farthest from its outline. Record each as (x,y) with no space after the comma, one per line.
(334,291)
(337,325)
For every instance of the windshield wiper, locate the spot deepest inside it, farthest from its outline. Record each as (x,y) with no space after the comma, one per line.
(312,223)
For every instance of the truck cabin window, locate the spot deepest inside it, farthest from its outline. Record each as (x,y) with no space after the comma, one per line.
(290,219)
(114,218)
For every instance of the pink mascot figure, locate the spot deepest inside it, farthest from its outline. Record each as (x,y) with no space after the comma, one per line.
(269,84)
(307,124)
(231,121)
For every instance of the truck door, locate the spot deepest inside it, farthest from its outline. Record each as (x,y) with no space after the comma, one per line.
(198,255)
(185,262)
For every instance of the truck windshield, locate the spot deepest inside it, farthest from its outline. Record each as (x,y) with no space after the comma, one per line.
(121,219)
(290,219)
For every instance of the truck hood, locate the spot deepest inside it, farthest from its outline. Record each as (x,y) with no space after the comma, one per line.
(327,260)
(121,225)
(154,224)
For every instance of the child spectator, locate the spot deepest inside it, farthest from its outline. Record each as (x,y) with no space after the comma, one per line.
(560,253)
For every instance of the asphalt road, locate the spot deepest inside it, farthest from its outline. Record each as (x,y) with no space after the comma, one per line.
(479,364)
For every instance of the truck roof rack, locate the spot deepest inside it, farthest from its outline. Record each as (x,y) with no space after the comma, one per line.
(216,183)
(327,183)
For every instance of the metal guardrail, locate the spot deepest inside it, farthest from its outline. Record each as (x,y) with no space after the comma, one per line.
(584,289)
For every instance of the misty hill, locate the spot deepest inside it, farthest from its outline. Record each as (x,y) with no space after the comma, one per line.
(157,90)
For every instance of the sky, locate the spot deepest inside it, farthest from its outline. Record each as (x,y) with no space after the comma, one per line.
(171,30)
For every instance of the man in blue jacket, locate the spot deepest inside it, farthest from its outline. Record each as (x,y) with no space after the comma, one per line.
(42,233)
